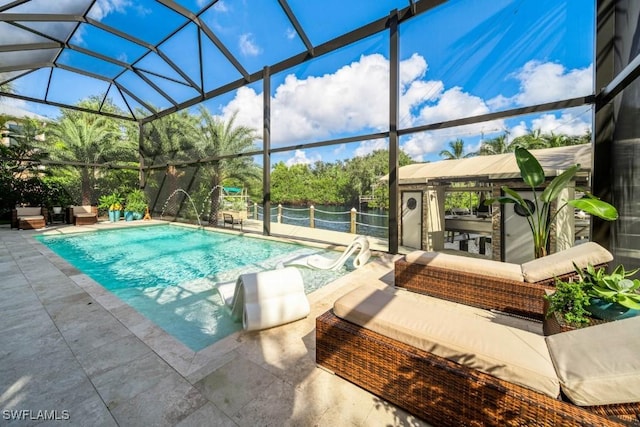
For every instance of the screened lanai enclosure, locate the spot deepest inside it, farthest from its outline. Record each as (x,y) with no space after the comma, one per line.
(193,98)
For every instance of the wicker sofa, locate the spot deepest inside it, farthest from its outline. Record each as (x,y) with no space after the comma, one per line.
(488,284)
(452,369)
(29,218)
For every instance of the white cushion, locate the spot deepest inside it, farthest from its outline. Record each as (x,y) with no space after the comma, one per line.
(599,365)
(29,211)
(485,267)
(514,355)
(560,263)
(77,210)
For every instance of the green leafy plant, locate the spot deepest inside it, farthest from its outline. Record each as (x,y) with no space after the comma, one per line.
(136,201)
(112,202)
(539,218)
(615,287)
(570,300)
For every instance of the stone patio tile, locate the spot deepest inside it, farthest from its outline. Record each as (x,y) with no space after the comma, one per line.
(112,355)
(172,400)
(23,317)
(54,381)
(208,415)
(91,410)
(21,298)
(123,382)
(235,384)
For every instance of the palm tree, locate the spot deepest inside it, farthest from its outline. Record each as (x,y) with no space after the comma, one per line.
(497,145)
(88,139)
(218,138)
(169,139)
(532,140)
(457,151)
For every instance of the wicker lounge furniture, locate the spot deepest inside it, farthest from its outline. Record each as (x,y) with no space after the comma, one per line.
(29,218)
(451,369)
(84,215)
(512,288)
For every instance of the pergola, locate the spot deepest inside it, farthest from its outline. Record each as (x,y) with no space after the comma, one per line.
(43,40)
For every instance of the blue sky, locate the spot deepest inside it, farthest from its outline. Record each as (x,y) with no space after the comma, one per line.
(464,58)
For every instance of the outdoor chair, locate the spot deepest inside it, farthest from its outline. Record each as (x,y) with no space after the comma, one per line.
(229,219)
(29,218)
(84,215)
(453,368)
(488,284)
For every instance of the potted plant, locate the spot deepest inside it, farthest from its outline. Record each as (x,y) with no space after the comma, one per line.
(538,216)
(113,203)
(566,307)
(612,296)
(136,204)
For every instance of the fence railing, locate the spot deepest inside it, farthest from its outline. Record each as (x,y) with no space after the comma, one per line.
(344,220)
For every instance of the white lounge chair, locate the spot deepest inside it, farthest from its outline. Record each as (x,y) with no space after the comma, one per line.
(266,299)
(360,245)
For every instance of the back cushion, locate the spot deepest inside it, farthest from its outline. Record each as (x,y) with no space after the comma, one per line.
(561,263)
(29,211)
(81,209)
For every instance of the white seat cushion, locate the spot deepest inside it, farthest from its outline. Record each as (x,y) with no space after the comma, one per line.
(508,353)
(599,365)
(485,267)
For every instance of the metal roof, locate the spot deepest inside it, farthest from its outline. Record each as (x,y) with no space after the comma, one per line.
(151,57)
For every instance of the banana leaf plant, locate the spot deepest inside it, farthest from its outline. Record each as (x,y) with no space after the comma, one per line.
(539,217)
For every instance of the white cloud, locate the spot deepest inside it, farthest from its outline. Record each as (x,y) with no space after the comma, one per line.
(567,124)
(419,144)
(300,157)
(103,8)
(368,147)
(290,34)
(220,6)
(544,82)
(248,46)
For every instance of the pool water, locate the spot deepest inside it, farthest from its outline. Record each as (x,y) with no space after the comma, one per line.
(167,273)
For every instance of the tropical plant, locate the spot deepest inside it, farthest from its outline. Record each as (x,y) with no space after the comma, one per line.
(136,201)
(456,152)
(497,145)
(112,202)
(540,217)
(614,287)
(84,140)
(217,138)
(570,300)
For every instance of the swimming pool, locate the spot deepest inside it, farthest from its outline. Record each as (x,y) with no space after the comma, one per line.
(167,273)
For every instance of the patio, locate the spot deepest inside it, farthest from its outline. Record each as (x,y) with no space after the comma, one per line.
(76,348)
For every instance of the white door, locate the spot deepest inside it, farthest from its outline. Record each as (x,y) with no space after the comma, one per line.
(518,240)
(412,219)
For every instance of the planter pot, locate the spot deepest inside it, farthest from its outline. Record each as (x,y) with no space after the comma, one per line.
(137,215)
(128,215)
(114,216)
(57,210)
(610,310)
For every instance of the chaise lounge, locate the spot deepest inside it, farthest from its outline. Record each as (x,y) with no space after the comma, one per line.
(452,368)
(483,283)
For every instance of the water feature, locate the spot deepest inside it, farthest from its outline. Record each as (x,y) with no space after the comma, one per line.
(180,190)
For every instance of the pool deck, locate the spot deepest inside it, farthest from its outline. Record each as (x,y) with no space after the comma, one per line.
(68,345)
